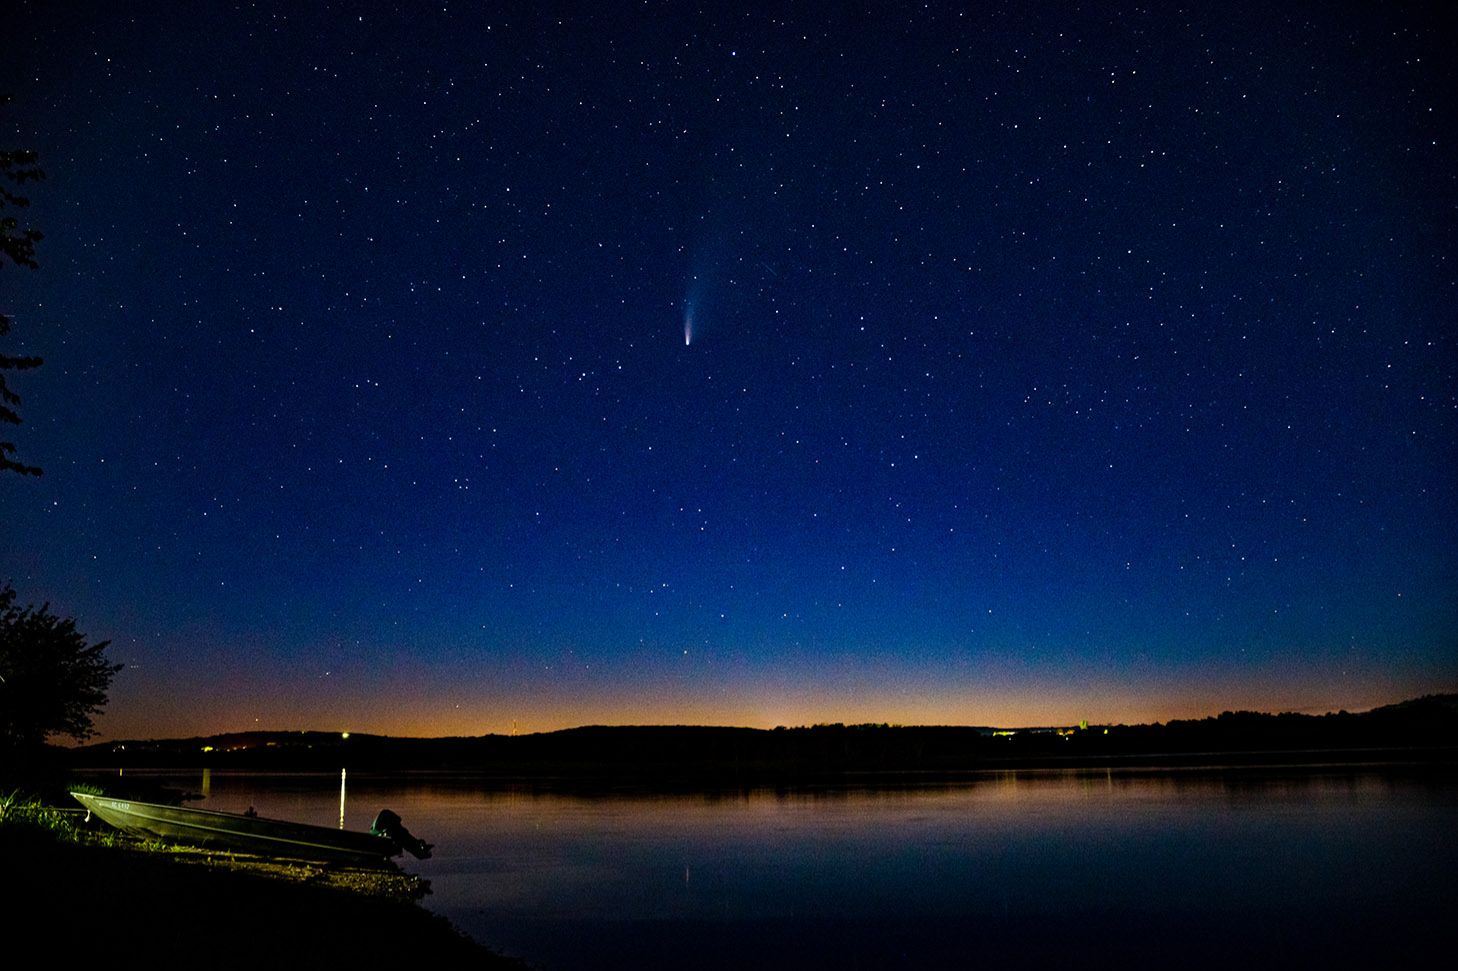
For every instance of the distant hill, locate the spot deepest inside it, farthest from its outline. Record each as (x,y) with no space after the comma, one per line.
(1422,728)
(1428,706)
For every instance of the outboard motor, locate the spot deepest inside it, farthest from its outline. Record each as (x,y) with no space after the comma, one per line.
(388,825)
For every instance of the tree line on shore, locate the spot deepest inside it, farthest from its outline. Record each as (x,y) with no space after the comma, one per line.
(1426,726)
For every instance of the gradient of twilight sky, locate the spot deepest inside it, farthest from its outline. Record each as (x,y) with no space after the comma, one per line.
(1048,361)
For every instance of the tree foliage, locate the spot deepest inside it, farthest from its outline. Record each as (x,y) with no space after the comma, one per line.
(17,244)
(51,680)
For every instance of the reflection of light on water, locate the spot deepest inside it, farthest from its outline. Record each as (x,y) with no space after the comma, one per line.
(341,798)
(551,874)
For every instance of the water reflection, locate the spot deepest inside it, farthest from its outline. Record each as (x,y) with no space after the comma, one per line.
(1022,867)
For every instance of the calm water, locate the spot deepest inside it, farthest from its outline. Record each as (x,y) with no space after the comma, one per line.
(1204,868)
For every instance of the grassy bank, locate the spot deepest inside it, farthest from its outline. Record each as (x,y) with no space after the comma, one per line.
(93,894)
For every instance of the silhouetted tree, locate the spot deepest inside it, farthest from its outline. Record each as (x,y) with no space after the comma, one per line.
(18,245)
(51,681)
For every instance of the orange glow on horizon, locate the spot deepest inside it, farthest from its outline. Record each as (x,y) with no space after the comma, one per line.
(418,716)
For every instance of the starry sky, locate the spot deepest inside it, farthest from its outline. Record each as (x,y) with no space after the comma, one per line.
(453,368)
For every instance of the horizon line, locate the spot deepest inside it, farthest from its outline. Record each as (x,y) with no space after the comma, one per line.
(346,733)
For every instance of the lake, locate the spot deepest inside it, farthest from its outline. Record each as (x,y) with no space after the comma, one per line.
(1208,867)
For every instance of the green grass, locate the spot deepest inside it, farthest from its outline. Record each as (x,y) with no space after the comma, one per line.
(29,817)
(29,813)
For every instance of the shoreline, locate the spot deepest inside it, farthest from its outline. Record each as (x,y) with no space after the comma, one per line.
(690,777)
(150,901)
(1420,729)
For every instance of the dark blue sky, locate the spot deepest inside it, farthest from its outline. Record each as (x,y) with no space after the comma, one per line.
(1047,361)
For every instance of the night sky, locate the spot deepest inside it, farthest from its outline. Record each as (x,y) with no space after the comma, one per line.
(444,369)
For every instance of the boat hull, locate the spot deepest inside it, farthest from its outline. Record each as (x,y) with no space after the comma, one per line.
(249,834)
